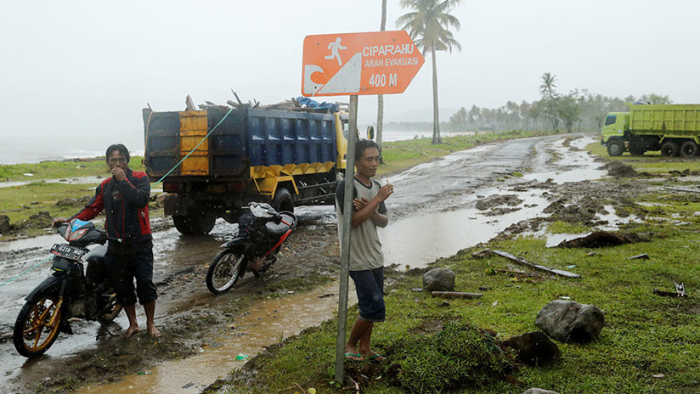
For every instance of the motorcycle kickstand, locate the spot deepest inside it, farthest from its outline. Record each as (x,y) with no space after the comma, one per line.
(105,327)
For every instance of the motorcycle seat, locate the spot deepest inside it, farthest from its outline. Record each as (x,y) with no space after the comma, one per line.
(277,229)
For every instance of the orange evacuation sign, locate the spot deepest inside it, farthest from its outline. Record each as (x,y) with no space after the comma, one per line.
(382,62)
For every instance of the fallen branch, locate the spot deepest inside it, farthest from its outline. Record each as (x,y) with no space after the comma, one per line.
(682,190)
(522,261)
(669,294)
(455,294)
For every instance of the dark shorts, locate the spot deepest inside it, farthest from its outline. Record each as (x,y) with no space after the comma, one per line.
(369,285)
(126,262)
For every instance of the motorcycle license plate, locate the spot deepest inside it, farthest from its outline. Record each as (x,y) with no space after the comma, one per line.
(68,252)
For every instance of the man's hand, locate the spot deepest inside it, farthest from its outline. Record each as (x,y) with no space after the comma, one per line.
(385,192)
(118,174)
(57,222)
(359,204)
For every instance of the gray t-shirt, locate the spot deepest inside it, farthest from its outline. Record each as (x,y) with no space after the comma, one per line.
(365,248)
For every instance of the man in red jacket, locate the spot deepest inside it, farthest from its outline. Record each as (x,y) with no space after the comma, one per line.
(124,198)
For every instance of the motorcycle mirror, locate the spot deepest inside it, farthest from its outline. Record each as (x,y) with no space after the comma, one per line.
(370,133)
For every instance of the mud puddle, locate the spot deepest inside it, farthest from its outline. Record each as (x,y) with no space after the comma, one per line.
(266,324)
(572,165)
(417,241)
(454,223)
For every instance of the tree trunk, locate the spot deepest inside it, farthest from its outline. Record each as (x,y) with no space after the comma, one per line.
(436,115)
(380,98)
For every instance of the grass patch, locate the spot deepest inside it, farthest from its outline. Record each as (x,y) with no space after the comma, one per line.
(645,334)
(651,162)
(61,169)
(560,227)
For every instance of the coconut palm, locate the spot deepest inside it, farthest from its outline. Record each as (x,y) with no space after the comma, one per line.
(548,85)
(428,25)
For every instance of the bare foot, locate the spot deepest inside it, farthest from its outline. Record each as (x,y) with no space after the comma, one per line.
(131,331)
(154,332)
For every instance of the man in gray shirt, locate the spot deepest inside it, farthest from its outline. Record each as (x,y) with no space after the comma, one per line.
(366,257)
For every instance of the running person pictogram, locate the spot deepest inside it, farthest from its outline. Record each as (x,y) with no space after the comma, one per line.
(334,47)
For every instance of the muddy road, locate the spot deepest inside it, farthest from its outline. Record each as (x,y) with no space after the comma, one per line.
(438,208)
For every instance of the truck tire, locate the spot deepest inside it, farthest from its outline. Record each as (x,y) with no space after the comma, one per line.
(637,151)
(670,149)
(196,222)
(283,200)
(689,149)
(616,148)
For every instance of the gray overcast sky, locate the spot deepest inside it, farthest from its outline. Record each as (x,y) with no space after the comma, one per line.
(83,69)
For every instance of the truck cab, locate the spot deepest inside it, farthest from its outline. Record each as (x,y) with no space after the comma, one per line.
(613,132)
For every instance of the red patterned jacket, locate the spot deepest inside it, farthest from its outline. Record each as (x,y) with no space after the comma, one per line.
(126,205)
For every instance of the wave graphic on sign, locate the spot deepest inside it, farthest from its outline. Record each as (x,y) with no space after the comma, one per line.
(347,80)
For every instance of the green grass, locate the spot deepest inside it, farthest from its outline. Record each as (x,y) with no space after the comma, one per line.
(61,169)
(560,227)
(20,202)
(645,334)
(651,162)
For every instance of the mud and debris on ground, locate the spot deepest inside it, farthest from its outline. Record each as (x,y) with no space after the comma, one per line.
(192,319)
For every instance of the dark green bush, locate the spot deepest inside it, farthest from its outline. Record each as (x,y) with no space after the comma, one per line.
(460,355)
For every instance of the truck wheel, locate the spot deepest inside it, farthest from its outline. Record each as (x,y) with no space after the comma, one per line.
(689,149)
(195,222)
(670,149)
(637,151)
(615,148)
(283,200)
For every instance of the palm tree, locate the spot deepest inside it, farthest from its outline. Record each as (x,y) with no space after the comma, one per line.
(548,85)
(380,98)
(428,25)
(550,99)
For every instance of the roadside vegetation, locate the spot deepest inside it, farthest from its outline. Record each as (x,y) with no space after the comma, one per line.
(649,343)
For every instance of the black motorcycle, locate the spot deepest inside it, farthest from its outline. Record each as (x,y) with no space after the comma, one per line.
(70,292)
(261,232)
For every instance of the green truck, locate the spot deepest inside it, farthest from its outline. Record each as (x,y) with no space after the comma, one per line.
(674,129)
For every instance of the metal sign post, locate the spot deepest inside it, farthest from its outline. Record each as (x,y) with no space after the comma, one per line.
(345,244)
(352,64)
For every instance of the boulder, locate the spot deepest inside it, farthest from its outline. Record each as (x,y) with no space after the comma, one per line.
(534,349)
(570,321)
(535,390)
(439,279)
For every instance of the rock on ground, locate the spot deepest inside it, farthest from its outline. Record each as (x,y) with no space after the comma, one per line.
(569,321)
(617,169)
(5,224)
(535,390)
(439,279)
(601,239)
(534,349)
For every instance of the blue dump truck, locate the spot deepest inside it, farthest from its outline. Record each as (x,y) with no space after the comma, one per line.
(284,157)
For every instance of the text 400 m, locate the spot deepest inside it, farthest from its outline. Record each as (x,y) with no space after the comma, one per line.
(379,80)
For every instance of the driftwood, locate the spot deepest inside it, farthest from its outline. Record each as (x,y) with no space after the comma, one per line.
(237,99)
(682,190)
(455,294)
(668,293)
(190,104)
(522,261)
